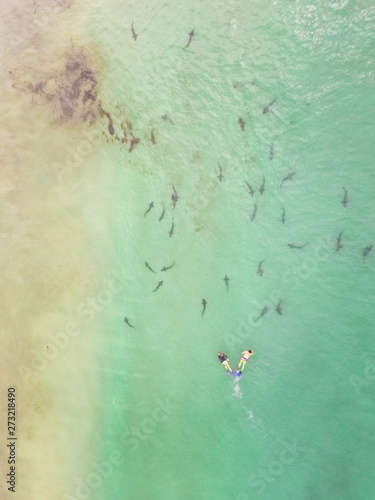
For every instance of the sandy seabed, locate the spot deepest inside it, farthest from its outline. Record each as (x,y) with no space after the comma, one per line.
(53,290)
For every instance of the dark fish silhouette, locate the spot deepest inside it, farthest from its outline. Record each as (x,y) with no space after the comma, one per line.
(345,199)
(134,33)
(298,247)
(262,187)
(162,214)
(241,121)
(279,307)
(127,321)
(191,34)
(254,212)
(167,119)
(134,141)
(158,286)
(153,140)
(366,251)
(166,268)
(149,267)
(174,197)
(251,190)
(338,242)
(171,231)
(283,219)
(268,107)
(151,205)
(220,176)
(260,269)
(226,280)
(262,313)
(289,177)
(204,304)
(271,154)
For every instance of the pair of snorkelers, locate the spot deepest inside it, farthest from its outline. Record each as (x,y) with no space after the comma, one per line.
(224,360)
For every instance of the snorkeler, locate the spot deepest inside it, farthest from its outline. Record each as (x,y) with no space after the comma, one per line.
(224,360)
(245,356)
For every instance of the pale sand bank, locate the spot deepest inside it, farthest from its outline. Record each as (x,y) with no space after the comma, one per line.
(55,284)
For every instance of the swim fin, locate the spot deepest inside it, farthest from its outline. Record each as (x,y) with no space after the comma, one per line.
(238,373)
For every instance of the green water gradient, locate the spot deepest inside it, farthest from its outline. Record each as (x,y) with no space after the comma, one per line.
(299,422)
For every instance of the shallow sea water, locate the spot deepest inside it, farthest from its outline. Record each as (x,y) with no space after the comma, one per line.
(298,424)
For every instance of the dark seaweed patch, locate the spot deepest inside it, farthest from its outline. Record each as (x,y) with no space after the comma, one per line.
(88,95)
(79,87)
(73,91)
(74,94)
(134,141)
(103,112)
(38,88)
(111,129)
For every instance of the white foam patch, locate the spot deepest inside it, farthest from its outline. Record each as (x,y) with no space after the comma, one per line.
(237,391)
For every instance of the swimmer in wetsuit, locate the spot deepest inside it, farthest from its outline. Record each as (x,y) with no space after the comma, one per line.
(224,360)
(245,356)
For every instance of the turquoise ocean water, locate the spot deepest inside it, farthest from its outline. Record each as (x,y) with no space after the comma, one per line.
(299,423)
